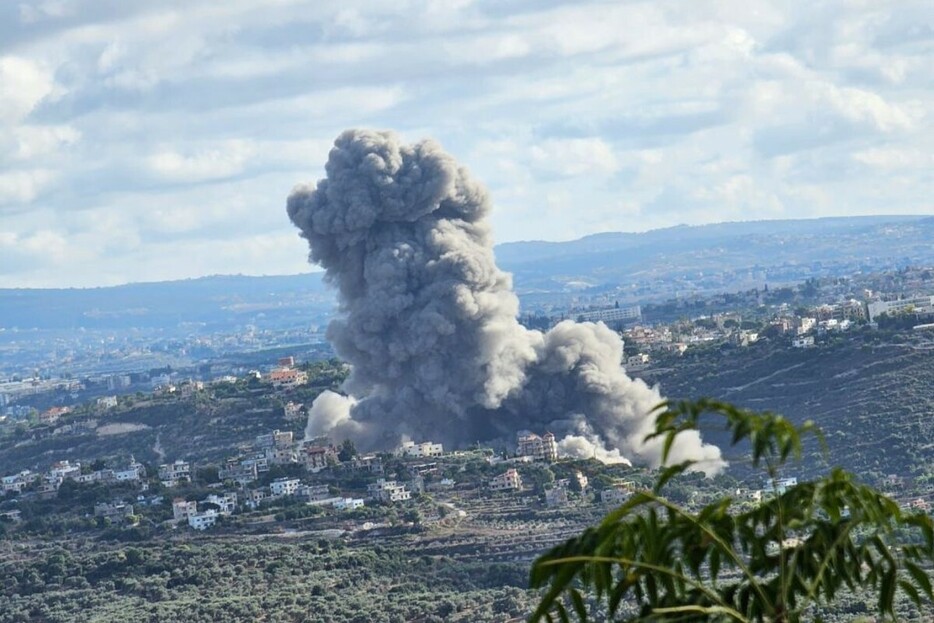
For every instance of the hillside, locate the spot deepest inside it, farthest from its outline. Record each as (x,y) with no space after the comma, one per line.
(871,397)
(722,257)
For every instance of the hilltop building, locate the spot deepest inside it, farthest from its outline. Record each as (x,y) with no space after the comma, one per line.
(420,450)
(543,448)
(510,480)
(921,304)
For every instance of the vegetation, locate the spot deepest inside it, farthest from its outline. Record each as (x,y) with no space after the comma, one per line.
(782,561)
(234,580)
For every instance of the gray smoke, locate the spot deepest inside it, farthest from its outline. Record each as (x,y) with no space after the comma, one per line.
(428,322)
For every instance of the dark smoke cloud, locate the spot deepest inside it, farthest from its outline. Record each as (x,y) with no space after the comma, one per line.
(428,322)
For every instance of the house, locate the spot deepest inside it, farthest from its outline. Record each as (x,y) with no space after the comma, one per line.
(255,497)
(425,449)
(17,482)
(116,510)
(226,503)
(369,463)
(348,504)
(182,508)
(780,485)
(315,493)
(51,416)
(637,362)
(543,448)
(287,378)
(285,486)
(388,491)
(203,521)
(133,472)
(614,496)
(803,342)
(239,473)
(107,402)
(62,470)
(274,439)
(293,411)
(510,480)
(190,388)
(316,458)
(556,495)
(170,474)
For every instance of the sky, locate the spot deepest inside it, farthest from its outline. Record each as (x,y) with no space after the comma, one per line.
(144,141)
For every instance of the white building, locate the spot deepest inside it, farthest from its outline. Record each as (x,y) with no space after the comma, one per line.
(420,450)
(285,486)
(348,504)
(107,402)
(918,303)
(510,480)
(637,362)
(803,342)
(170,474)
(133,472)
(226,503)
(203,521)
(613,314)
(543,448)
(388,491)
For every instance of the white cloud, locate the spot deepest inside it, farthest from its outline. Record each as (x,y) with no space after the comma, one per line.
(224,160)
(23,84)
(18,187)
(159,139)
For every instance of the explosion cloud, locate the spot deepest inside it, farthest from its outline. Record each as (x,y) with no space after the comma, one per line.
(428,321)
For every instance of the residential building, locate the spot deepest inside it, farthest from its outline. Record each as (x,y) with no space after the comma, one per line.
(543,448)
(348,504)
(182,508)
(556,495)
(924,304)
(238,472)
(613,314)
(285,486)
(51,416)
(420,450)
(315,493)
(116,510)
(293,411)
(274,439)
(133,472)
(369,463)
(287,378)
(806,324)
(255,497)
(226,503)
(388,491)
(614,495)
(170,474)
(637,362)
(510,480)
(803,342)
(316,458)
(203,521)
(107,402)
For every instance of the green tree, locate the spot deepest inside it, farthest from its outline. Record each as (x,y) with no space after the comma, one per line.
(774,563)
(347,451)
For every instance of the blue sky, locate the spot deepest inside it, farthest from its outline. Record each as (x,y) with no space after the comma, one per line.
(158,140)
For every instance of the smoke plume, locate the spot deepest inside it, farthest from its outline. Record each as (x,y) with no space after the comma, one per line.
(428,321)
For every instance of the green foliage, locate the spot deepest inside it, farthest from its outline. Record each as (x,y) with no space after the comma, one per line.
(777,562)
